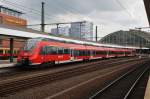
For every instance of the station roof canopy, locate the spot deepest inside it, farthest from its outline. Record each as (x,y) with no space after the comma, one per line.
(128,38)
(147,6)
(17,32)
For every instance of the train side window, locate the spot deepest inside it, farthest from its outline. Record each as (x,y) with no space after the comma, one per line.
(103,52)
(93,53)
(110,52)
(89,53)
(53,50)
(60,50)
(76,53)
(66,51)
(81,53)
(48,50)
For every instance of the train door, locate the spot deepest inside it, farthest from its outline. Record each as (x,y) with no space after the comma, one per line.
(43,54)
(107,56)
(124,53)
(91,54)
(71,54)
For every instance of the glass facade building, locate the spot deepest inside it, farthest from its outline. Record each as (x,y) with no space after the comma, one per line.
(63,31)
(82,30)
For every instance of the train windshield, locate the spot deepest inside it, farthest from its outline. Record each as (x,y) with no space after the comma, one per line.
(30,44)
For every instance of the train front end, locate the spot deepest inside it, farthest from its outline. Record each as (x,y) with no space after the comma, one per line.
(27,55)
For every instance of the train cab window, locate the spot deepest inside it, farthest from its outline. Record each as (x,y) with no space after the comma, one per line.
(43,50)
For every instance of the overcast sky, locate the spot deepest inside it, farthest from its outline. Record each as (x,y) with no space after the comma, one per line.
(109,15)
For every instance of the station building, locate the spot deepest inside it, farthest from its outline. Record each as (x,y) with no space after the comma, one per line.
(13,18)
(136,38)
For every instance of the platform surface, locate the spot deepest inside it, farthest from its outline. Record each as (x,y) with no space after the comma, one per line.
(6,63)
(147,93)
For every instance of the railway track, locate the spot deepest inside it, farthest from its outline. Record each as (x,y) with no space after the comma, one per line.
(7,72)
(124,86)
(10,86)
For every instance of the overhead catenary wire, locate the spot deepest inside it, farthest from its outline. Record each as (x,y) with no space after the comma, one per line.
(122,6)
(30,10)
(70,10)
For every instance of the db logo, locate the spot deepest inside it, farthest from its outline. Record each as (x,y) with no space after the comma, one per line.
(60,56)
(25,54)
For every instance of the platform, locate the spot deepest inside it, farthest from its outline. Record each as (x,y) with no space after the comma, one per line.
(147,92)
(6,63)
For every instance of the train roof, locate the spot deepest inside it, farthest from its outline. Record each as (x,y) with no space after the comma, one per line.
(72,41)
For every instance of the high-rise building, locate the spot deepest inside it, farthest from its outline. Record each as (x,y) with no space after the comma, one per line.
(64,31)
(82,30)
(54,31)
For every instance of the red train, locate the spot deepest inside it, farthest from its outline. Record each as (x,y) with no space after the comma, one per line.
(48,51)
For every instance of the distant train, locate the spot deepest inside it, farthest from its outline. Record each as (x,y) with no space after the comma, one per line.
(5,53)
(47,51)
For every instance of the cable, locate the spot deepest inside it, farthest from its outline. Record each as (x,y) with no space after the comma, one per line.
(30,10)
(70,10)
(122,6)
